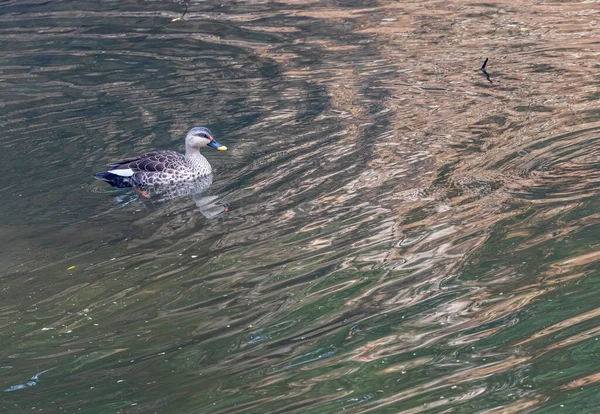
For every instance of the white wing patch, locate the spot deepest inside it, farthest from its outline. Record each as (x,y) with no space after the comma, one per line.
(124,172)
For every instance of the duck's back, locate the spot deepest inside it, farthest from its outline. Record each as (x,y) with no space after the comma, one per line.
(155,161)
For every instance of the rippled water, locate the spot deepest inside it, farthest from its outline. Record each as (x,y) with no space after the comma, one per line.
(402,236)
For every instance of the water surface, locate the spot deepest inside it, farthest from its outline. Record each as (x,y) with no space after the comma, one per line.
(402,236)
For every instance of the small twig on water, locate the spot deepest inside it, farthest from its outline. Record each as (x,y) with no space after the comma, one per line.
(487,75)
(181,17)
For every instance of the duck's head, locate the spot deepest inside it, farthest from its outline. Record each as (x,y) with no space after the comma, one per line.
(199,137)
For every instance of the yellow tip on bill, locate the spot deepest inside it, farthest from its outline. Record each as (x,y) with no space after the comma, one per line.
(223,148)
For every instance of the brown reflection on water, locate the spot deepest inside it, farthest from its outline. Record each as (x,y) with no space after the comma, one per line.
(404,235)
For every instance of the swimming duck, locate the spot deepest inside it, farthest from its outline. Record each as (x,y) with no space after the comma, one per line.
(164,167)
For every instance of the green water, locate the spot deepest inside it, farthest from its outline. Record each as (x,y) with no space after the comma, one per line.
(402,235)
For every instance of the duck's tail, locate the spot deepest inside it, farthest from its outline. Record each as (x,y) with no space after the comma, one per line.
(113,179)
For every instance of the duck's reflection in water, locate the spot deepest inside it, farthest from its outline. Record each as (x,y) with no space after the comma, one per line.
(196,190)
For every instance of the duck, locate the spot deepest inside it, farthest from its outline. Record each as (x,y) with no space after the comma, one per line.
(165,167)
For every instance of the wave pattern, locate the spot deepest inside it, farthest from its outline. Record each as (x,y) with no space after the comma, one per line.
(403,235)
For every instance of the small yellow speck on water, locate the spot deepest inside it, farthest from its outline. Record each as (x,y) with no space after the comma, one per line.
(71,268)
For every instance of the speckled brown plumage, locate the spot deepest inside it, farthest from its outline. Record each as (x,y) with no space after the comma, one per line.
(159,168)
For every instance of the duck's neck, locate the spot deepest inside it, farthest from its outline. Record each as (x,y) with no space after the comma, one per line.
(196,161)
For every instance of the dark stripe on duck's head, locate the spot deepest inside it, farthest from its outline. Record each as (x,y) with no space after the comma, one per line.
(200,132)
(200,136)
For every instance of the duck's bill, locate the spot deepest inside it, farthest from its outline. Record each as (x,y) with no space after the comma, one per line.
(216,145)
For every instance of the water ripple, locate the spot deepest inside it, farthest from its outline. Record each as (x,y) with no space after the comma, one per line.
(402,234)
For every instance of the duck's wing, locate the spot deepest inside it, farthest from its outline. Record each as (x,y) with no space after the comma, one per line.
(151,162)
(125,161)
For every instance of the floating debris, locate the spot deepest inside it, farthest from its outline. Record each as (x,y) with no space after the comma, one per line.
(181,17)
(487,75)
(31,383)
